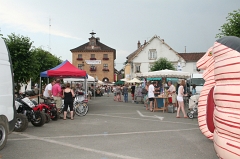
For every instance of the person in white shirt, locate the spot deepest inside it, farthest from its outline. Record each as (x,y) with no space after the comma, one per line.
(151,95)
(48,90)
(180,99)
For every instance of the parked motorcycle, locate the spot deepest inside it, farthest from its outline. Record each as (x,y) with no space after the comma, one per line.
(21,120)
(49,108)
(25,106)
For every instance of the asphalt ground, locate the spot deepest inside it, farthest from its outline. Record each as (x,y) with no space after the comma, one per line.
(112,130)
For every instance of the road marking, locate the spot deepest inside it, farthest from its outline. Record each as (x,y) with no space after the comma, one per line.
(142,119)
(79,147)
(103,134)
(155,116)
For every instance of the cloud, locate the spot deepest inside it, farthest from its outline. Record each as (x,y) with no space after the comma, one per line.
(27,19)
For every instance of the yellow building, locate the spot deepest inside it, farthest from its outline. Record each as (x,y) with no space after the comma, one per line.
(95,58)
(127,71)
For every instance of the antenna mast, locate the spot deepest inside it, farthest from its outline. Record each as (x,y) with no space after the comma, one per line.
(49,45)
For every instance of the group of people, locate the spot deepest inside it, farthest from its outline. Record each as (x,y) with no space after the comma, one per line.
(123,90)
(54,91)
(153,89)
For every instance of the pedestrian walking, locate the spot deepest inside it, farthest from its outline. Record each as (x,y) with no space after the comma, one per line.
(180,99)
(125,93)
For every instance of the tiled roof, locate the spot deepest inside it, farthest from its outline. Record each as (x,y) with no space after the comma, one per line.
(192,57)
(132,55)
(83,48)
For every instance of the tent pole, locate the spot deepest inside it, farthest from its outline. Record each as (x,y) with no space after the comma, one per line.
(40,89)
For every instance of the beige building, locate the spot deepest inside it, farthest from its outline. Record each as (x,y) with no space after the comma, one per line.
(95,58)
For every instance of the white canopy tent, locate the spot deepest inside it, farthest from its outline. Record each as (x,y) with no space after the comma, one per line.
(89,79)
(124,79)
(165,73)
(134,80)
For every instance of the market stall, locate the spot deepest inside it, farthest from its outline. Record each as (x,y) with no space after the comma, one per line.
(65,69)
(164,74)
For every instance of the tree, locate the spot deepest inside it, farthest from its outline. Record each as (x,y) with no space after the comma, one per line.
(162,64)
(45,61)
(22,57)
(232,27)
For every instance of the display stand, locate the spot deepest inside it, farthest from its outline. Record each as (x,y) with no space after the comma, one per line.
(159,103)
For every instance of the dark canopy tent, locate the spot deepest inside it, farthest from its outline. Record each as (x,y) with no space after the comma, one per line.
(65,69)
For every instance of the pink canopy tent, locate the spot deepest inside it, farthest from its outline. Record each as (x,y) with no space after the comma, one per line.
(65,69)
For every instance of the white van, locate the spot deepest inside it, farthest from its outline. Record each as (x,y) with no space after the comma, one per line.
(7,107)
(198,80)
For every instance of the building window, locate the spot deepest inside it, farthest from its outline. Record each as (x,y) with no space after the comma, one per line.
(79,57)
(92,43)
(80,66)
(138,68)
(92,57)
(105,67)
(105,57)
(152,54)
(93,68)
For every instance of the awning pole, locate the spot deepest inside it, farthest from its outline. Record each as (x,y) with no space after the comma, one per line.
(40,90)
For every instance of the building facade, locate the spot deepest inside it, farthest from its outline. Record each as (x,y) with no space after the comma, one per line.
(146,54)
(96,58)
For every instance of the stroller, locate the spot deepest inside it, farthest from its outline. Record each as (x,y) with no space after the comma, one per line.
(193,106)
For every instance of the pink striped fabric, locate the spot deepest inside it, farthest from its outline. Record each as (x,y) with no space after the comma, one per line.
(226,97)
(206,63)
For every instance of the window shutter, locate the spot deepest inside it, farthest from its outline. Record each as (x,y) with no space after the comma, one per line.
(149,54)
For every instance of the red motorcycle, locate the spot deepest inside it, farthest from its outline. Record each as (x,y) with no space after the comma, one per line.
(49,108)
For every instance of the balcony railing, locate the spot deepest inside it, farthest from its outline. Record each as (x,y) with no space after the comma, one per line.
(92,58)
(106,58)
(105,69)
(80,59)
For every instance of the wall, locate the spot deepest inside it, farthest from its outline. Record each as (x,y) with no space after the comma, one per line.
(162,51)
(99,73)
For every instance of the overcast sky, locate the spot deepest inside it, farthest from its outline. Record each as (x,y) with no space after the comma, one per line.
(118,23)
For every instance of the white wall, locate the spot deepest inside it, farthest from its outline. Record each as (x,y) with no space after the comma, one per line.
(190,67)
(162,51)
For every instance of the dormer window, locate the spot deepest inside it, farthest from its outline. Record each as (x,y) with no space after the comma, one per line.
(92,43)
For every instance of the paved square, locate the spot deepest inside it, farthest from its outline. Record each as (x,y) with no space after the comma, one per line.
(113,130)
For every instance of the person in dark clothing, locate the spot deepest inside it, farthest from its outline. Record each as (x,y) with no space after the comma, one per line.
(68,95)
(133,91)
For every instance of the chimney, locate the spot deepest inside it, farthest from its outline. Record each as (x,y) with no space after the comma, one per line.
(138,44)
(145,42)
(163,41)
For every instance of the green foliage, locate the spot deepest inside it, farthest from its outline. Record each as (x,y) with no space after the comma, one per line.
(44,61)
(162,64)
(232,27)
(22,57)
(27,61)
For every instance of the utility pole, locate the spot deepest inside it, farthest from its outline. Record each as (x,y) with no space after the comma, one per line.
(185,49)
